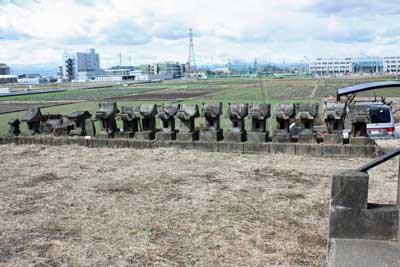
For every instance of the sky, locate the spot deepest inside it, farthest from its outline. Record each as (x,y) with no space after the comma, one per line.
(40,31)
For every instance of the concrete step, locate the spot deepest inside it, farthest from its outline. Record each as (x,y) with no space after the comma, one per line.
(361,253)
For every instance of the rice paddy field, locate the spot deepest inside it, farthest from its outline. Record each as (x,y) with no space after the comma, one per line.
(79,206)
(234,90)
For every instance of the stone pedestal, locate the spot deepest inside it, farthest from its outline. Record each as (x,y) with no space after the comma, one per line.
(257,137)
(187,136)
(104,135)
(166,136)
(235,137)
(211,135)
(307,138)
(146,135)
(333,139)
(124,134)
(361,140)
(281,138)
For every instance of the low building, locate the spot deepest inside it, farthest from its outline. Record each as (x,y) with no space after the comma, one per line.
(391,65)
(5,79)
(36,80)
(171,68)
(114,78)
(153,77)
(119,70)
(360,65)
(331,66)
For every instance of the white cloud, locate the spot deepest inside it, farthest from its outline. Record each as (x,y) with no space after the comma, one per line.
(38,31)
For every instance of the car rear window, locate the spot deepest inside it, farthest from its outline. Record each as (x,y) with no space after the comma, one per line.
(379,115)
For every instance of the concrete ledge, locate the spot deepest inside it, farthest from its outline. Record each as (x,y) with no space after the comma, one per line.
(283,148)
(333,139)
(117,143)
(358,252)
(313,150)
(206,146)
(309,150)
(261,148)
(228,147)
(211,136)
(380,222)
(278,137)
(188,136)
(74,141)
(183,145)
(165,136)
(139,144)
(96,142)
(336,151)
(157,144)
(362,141)
(363,151)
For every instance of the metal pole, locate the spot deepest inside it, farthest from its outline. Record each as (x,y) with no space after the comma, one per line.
(398,186)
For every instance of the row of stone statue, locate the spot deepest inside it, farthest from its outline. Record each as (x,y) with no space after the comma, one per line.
(294,122)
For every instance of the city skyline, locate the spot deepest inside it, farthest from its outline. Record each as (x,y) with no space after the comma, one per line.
(39,32)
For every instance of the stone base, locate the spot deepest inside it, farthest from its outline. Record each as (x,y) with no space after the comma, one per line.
(211,136)
(312,150)
(229,147)
(183,144)
(257,138)
(235,137)
(281,138)
(362,141)
(187,136)
(336,151)
(124,135)
(159,144)
(254,148)
(307,138)
(118,143)
(145,135)
(379,222)
(283,148)
(363,151)
(166,136)
(104,135)
(139,144)
(333,139)
(362,252)
(206,146)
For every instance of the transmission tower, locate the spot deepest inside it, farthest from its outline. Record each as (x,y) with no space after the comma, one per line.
(192,58)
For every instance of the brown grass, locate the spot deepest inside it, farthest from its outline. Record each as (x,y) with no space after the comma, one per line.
(74,206)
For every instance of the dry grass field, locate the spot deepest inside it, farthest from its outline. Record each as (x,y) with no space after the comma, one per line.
(75,206)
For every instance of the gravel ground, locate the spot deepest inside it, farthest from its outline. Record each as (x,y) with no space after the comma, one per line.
(75,206)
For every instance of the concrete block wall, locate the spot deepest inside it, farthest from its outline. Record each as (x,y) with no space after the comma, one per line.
(311,150)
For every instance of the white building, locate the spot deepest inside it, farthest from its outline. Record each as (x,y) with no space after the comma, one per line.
(36,80)
(114,78)
(331,66)
(81,66)
(5,79)
(391,65)
(360,65)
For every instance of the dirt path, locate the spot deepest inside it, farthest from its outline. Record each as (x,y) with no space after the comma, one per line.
(314,91)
